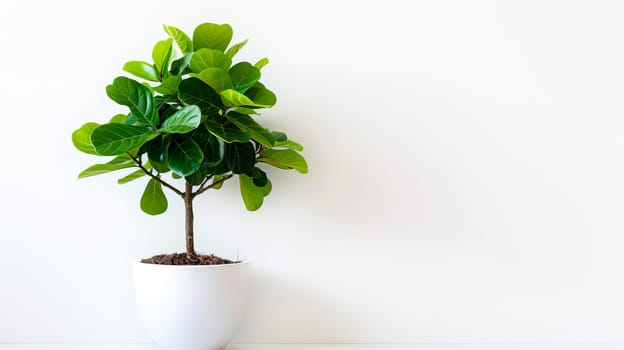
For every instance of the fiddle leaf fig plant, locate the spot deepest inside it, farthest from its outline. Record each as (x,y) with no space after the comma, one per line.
(192,117)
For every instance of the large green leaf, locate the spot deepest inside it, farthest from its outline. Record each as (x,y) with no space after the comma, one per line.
(184,120)
(153,200)
(233,98)
(240,157)
(81,138)
(142,70)
(261,95)
(257,132)
(161,54)
(243,76)
(195,92)
(137,97)
(114,138)
(169,85)
(208,58)
(183,155)
(233,50)
(119,162)
(212,36)
(284,158)
(252,195)
(217,78)
(226,131)
(132,176)
(212,147)
(157,153)
(184,42)
(261,63)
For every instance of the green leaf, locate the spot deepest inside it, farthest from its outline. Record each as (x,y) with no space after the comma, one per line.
(267,188)
(212,36)
(226,131)
(261,95)
(284,158)
(233,50)
(114,138)
(169,85)
(142,70)
(216,78)
(240,157)
(289,144)
(153,200)
(157,153)
(81,138)
(259,177)
(279,136)
(184,42)
(261,63)
(207,58)
(137,97)
(198,176)
(184,120)
(183,155)
(118,118)
(132,176)
(195,92)
(161,55)
(243,76)
(212,147)
(216,185)
(257,132)
(252,195)
(119,162)
(233,98)
(178,66)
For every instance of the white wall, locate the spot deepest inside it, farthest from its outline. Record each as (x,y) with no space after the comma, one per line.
(466,171)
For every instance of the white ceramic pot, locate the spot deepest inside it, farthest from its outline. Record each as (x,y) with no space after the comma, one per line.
(191,307)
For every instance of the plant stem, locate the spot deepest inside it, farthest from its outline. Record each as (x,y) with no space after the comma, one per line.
(149,173)
(202,190)
(188,205)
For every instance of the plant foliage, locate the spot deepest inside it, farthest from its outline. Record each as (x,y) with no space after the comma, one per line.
(192,114)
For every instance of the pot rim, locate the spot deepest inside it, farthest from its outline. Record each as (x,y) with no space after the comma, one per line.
(234,264)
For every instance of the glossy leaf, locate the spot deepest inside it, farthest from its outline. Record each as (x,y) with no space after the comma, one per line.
(233,98)
(243,76)
(261,95)
(157,153)
(161,54)
(284,158)
(289,144)
(178,66)
(184,42)
(279,136)
(226,131)
(257,131)
(153,200)
(169,86)
(137,97)
(267,188)
(233,50)
(184,120)
(252,195)
(114,138)
(208,58)
(195,92)
(261,63)
(240,157)
(259,177)
(81,138)
(212,147)
(118,118)
(212,36)
(216,78)
(142,70)
(118,163)
(198,176)
(131,177)
(183,155)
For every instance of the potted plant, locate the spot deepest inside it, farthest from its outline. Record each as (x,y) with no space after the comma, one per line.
(192,120)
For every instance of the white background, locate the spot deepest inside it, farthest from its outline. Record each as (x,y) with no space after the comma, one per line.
(466,171)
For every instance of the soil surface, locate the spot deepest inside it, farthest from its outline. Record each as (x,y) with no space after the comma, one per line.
(182,259)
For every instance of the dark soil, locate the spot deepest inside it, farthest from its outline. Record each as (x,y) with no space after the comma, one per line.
(182,259)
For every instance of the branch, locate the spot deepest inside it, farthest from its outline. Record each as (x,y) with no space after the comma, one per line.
(204,182)
(149,173)
(202,190)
